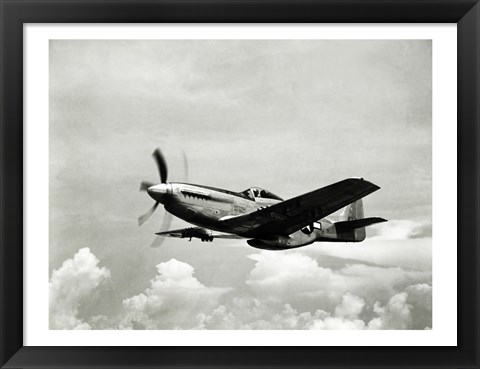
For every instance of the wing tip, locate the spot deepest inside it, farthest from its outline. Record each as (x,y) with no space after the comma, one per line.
(371,185)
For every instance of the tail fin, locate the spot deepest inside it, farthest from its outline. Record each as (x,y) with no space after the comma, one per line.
(351,224)
(352,211)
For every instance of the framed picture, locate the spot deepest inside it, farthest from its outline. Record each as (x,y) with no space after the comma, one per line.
(308,177)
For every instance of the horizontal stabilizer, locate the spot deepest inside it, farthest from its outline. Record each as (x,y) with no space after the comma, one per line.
(357,223)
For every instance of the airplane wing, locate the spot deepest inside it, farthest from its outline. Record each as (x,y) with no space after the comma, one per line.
(197,232)
(291,215)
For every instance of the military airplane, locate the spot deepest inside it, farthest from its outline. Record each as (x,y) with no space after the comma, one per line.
(263,218)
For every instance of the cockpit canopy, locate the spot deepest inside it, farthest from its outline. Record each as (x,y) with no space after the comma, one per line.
(257,192)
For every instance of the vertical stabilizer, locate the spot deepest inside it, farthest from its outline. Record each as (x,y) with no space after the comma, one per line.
(351,212)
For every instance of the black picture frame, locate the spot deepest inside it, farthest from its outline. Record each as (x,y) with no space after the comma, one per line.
(15,13)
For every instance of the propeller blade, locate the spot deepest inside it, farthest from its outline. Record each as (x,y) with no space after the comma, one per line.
(185,167)
(167,219)
(145,185)
(142,219)
(157,242)
(161,164)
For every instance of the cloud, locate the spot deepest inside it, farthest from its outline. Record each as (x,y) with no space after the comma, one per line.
(174,300)
(420,297)
(385,248)
(74,281)
(350,307)
(420,294)
(301,281)
(396,314)
(287,290)
(401,230)
(337,323)
(282,274)
(252,313)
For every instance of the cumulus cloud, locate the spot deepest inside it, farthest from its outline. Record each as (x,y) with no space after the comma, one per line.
(396,314)
(300,280)
(420,297)
(282,275)
(252,313)
(350,307)
(283,286)
(277,316)
(74,281)
(337,323)
(287,290)
(174,300)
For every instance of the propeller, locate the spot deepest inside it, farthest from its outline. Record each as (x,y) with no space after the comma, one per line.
(143,218)
(144,186)
(161,165)
(158,241)
(185,167)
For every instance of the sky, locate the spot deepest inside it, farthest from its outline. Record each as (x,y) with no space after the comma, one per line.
(289,116)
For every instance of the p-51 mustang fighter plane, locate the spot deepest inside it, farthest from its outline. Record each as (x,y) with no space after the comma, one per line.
(266,220)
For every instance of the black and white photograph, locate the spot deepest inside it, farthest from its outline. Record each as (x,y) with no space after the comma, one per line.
(240,184)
